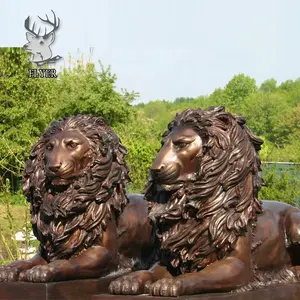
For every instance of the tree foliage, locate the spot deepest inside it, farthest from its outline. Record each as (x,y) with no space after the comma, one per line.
(238,89)
(268,86)
(84,90)
(24,107)
(28,105)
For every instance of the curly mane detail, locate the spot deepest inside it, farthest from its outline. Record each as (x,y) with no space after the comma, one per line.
(203,218)
(67,222)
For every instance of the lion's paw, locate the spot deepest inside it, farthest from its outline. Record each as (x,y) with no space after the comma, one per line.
(166,287)
(128,285)
(11,272)
(8,273)
(42,273)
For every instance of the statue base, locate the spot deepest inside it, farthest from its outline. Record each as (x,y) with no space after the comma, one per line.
(290,292)
(63,290)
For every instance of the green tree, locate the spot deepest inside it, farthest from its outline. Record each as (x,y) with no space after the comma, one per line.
(24,107)
(142,139)
(282,184)
(287,85)
(269,85)
(83,90)
(237,90)
(268,115)
(218,97)
(183,99)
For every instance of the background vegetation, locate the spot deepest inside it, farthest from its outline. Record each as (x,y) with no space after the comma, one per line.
(28,105)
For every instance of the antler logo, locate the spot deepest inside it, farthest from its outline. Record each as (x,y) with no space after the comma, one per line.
(39,45)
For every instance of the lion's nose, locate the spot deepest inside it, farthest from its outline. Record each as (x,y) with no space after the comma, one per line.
(54,168)
(156,170)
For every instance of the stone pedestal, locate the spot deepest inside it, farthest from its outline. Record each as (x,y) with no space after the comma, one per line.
(283,292)
(64,290)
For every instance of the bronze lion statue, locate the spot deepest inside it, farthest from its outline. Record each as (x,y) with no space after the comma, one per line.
(87,226)
(215,235)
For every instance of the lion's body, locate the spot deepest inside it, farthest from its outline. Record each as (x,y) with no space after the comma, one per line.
(215,235)
(75,182)
(277,234)
(219,203)
(135,237)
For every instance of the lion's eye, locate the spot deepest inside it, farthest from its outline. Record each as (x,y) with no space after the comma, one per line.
(49,147)
(180,145)
(72,145)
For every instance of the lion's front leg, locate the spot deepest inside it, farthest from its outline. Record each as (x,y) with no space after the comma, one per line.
(94,262)
(13,271)
(223,275)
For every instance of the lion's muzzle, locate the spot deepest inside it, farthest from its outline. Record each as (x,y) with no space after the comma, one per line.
(166,174)
(54,168)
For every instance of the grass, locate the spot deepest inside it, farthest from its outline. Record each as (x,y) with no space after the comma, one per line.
(13,218)
(18,213)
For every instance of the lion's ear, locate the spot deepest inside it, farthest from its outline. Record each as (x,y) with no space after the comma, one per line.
(241,119)
(225,119)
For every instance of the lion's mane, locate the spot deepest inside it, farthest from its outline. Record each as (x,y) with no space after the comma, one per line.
(67,222)
(200,220)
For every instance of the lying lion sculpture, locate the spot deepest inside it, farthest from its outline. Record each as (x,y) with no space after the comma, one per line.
(215,234)
(75,182)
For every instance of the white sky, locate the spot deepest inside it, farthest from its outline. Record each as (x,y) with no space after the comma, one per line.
(165,49)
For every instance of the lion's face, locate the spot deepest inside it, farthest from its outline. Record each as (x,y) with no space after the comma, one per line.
(65,156)
(176,160)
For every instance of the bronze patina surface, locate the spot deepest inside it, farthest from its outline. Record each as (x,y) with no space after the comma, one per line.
(281,292)
(82,289)
(215,235)
(87,226)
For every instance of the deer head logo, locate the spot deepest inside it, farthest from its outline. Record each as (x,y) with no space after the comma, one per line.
(39,45)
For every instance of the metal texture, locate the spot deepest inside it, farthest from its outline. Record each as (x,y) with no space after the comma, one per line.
(87,226)
(215,235)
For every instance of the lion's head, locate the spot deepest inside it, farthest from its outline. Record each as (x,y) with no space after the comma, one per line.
(203,186)
(75,176)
